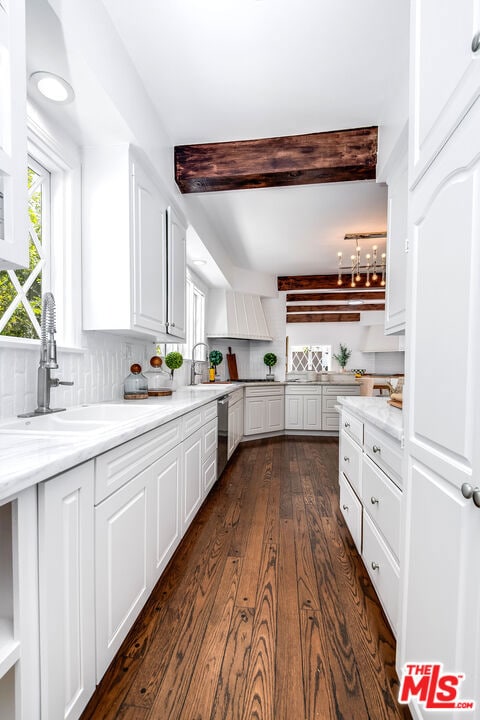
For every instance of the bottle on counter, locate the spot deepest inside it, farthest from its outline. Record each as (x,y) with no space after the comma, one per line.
(211,373)
(135,386)
(159,381)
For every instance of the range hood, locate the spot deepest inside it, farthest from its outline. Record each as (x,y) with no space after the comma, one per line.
(236,315)
(377,341)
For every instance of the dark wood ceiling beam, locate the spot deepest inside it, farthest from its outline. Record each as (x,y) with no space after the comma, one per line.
(339,295)
(327,317)
(334,308)
(321,282)
(326,157)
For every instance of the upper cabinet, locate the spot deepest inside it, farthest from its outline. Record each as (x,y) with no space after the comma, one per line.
(236,315)
(445,78)
(397,243)
(130,283)
(13,137)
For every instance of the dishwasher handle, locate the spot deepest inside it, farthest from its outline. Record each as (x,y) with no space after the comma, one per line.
(223,401)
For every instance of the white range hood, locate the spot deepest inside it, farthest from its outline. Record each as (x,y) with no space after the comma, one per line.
(236,315)
(377,341)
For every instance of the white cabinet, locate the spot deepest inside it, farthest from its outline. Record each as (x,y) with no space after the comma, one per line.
(441,583)
(167,475)
(126,271)
(397,234)
(192,487)
(303,408)
(235,421)
(67,596)
(330,393)
(264,410)
(13,137)
(176,275)
(445,75)
(293,411)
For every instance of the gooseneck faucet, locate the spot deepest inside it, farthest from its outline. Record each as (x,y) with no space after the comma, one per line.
(48,359)
(193,371)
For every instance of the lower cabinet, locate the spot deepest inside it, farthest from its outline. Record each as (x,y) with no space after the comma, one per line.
(235,421)
(351,509)
(192,486)
(312,407)
(264,410)
(67,597)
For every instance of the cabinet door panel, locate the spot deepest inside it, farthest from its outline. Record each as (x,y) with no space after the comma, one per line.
(255,415)
(209,473)
(312,413)
(149,243)
(294,412)
(167,480)
(177,264)
(396,257)
(124,563)
(192,477)
(275,413)
(67,611)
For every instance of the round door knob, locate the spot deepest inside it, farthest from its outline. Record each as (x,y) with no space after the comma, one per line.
(375,566)
(476,42)
(347,424)
(376,449)
(172,324)
(347,459)
(476,497)
(373,500)
(345,507)
(467,491)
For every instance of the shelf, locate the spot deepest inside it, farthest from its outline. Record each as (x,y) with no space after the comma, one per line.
(9,647)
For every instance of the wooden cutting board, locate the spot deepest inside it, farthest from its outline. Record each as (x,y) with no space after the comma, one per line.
(232,365)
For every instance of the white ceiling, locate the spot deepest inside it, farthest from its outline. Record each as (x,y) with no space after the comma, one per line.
(221,70)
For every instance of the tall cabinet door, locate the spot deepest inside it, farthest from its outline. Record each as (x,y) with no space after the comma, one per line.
(294,412)
(167,484)
(67,607)
(177,265)
(441,571)
(192,477)
(149,253)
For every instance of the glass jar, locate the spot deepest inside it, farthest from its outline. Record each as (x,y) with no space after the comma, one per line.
(159,381)
(135,386)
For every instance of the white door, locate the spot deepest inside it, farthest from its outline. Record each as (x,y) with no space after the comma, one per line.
(192,477)
(255,416)
(124,563)
(177,264)
(167,483)
(275,413)
(441,617)
(312,412)
(294,412)
(446,76)
(149,253)
(67,599)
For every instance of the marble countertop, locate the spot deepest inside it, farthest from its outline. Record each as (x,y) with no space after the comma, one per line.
(376,411)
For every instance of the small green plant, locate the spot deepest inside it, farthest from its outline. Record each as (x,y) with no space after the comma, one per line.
(215,358)
(173,361)
(343,356)
(270,359)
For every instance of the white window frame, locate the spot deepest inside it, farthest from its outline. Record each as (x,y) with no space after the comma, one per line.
(194,289)
(325,349)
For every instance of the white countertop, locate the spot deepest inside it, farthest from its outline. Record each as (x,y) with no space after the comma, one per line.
(377,411)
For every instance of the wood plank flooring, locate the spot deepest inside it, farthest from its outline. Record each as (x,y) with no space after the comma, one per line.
(265,612)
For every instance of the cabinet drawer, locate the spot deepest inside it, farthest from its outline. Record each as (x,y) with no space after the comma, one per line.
(351,509)
(115,467)
(339,390)
(353,426)
(330,421)
(209,438)
(209,412)
(235,396)
(191,422)
(351,461)
(303,390)
(328,403)
(383,570)
(262,391)
(382,500)
(385,452)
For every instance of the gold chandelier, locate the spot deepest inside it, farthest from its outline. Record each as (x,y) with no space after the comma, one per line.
(373,267)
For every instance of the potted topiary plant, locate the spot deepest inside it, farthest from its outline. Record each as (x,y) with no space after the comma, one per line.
(343,356)
(173,361)
(270,359)
(215,358)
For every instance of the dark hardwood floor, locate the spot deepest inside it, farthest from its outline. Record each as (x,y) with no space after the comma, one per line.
(265,612)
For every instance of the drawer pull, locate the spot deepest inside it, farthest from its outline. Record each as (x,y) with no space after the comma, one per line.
(374,500)
(347,459)
(375,566)
(346,424)
(476,43)
(345,507)
(376,449)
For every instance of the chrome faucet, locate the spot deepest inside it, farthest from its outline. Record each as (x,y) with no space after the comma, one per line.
(193,371)
(48,360)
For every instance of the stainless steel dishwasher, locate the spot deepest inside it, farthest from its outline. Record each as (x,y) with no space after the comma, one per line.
(222,449)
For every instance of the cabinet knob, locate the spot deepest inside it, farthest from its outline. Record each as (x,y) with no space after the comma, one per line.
(345,507)
(375,566)
(373,500)
(467,491)
(376,449)
(476,497)
(476,42)
(172,324)
(347,424)
(347,459)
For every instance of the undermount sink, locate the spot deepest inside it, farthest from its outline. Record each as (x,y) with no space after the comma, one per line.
(83,419)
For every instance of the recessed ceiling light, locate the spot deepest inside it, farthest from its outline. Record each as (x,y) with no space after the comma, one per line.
(53,87)
(199,262)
